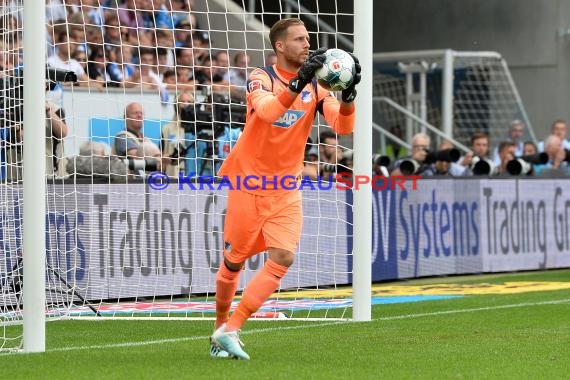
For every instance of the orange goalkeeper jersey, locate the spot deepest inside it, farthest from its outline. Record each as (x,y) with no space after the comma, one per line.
(272,145)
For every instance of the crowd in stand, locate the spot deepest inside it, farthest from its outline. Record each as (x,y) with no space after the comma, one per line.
(158,45)
(151,45)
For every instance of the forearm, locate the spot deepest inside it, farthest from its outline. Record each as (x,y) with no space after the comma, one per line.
(343,123)
(270,108)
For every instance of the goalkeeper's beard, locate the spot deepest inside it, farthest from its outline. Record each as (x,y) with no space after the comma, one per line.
(295,61)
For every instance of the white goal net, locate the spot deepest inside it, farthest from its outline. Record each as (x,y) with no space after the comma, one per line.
(460,93)
(120,240)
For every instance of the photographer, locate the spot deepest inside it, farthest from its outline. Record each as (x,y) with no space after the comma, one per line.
(56,131)
(477,162)
(557,165)
(172,141)
(420,148)
(332,160)
(128,142)
(507,151)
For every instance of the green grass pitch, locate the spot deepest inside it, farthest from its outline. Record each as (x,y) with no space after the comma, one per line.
(511,336)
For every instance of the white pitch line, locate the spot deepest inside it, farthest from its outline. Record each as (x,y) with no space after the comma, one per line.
(457,311)
(304,326)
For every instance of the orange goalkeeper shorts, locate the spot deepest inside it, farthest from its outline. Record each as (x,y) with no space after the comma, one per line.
(255,223)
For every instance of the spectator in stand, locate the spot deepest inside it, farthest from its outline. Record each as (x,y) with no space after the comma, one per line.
(529,148)
(55,11)
(96,67)
(220,65)
(62,59)
(120,67)
(180,10)
(131,17)
(183,33)
(77,37)
(93,12)
(112,30)
(270,59)
(148,76)
(94,161)
(169,78)
(93,37)
(237,75)
(165,41)
(393,149)
(201,45)
(162,61)
(515,135)
(204,76)
(559,128)
(157,15)
(80,56)
(507,151)
(556,165)
(184,59)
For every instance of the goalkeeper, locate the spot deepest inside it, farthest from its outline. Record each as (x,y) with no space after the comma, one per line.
(282,101)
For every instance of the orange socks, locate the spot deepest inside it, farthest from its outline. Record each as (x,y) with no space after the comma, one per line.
(226,286)
(262,285)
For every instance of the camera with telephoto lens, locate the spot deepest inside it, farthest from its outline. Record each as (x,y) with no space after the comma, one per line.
(410,166)
(377,159)
(481,166)
(523,165)
(446,155)
(148,164)
(12,93)
(344,167)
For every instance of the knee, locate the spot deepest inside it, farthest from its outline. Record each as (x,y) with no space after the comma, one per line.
(281,256)
(233,266)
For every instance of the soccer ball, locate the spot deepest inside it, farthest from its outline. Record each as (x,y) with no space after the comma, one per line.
(338,70)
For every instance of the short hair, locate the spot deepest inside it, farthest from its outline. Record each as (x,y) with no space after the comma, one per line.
(279,29)
(515,123)
(93,148)
(505,144)
(238,56)
(326,135)
(479,135)
(60,33)
(421,135)
(550,138)
(557,121)
(529,142)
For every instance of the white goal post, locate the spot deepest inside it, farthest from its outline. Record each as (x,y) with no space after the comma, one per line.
(98,241)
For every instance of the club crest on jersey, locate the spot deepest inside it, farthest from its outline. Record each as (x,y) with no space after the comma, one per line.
(289,118)
(306,96)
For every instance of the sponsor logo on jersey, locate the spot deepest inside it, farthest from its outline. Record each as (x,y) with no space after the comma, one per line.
(254,85)
(306,96)
(289,118)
